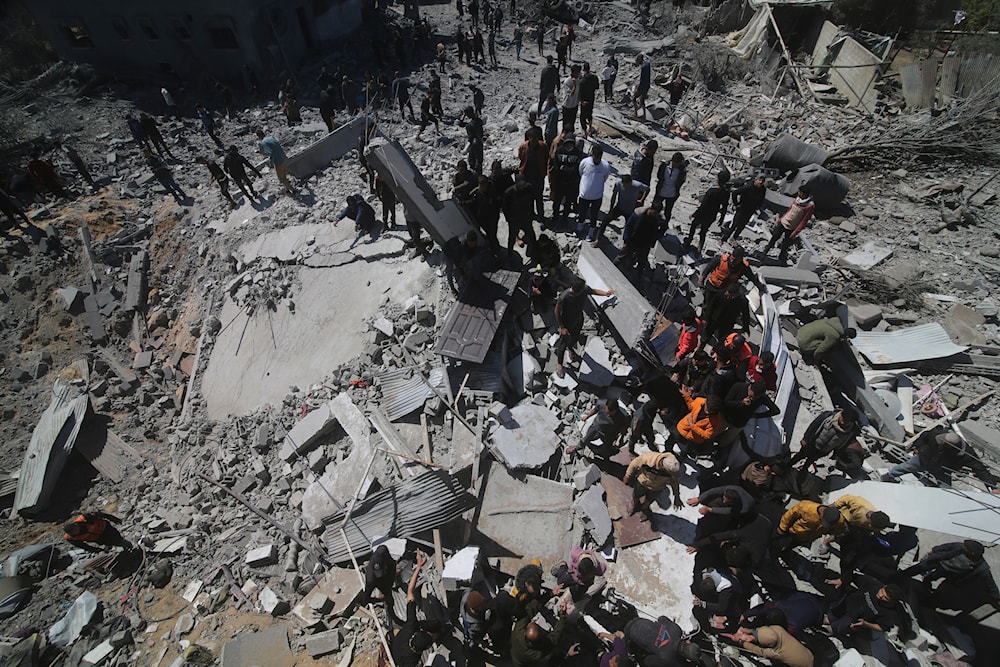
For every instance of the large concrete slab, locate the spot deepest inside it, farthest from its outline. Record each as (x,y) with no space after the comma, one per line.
(332,596)
(256,358)
(321,153)
(268,647)
(628,311)
(527,440)
(525,518)
(443,220)
(782,275)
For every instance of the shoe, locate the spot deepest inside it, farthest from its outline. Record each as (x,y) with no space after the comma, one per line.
(592,236)
(581,228)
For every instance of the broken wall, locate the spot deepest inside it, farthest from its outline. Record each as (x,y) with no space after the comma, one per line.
(853,68)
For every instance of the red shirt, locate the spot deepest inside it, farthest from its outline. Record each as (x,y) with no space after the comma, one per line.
(768,374)
(688,341)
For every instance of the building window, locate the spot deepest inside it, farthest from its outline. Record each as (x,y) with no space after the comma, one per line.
(222,35)
(76,34)
(149,28)
(121,28)
(179,29)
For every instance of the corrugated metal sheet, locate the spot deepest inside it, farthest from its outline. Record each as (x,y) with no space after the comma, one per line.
(473,322)
(403,390)
(418,504)
(926,341)
(485,376)
(50,446)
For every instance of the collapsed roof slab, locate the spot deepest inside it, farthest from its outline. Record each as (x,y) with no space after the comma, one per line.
(333,146)
(525,517)
(527,440)
(443,220)
(257,357)
(628,311)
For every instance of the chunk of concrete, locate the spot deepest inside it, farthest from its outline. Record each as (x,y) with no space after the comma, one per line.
(268,647)
(323,643)
(262,556)
(306,434)
(100,653)
(595,369)
(352,420)
(587,478)
(868,256)
(594,511)
(528,440)
(982,436)
(460,567)
(866,315)
(183,626)
(272,603)
(332,596)
(961,324)
(70,295)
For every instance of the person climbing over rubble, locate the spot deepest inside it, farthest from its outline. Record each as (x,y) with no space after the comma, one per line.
(818,338)
(642,86)
(277,158)
(669,181)
(690,333)
(569,318)
(642,424)
(722,314)
(649,474)
(380,574)
(939,452)
(151,130)
(609,427)
(415,636)
(219,177)
(164,175)
(208,123)
(584,568)
(90,529)
(804,523)
(724,270)
(236,166)
(962,565)
(689,373)
(359,211)
(868,606)
(426,117)
(790,224)
(714,204)
(473,125)
(700,426)
(627,195)
(748,199)
(138,135)
(826,435)
(12,210)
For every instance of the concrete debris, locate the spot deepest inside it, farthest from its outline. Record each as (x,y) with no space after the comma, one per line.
(591,506)
(272,603)
(331,597)
(262,556)
(868,256)
(308,432)
(268,647)
(323,643)
(595,369)
(527,439)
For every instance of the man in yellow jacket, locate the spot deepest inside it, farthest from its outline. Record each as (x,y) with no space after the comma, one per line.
(652,472)
(806,521)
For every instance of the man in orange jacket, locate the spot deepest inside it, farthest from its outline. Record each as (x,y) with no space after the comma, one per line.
(92,528)
(702,423)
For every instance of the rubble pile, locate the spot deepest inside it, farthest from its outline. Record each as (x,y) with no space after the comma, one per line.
(268,397)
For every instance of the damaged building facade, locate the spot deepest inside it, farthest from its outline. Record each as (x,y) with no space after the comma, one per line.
(194,39)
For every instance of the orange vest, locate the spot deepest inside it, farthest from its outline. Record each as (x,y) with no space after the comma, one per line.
(95,529)
(725,274)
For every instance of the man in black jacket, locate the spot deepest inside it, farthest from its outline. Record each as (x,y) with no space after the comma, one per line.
(660,643)
(748,200)
(236,166)
(713,205)
(939,452)
(721,314)
(639,236)
(827,434)
(642,162)
(548,82)
(589,83)
(669,181)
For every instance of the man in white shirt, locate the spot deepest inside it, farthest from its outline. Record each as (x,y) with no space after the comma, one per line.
(571,99)
(594,174)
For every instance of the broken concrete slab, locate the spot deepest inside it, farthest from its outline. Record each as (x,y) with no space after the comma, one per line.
(868,256)
(866,315)
(352,420)
(459,569)
(323,643)
(528,439)
(628,311)
(307,433)
(443,221)
(595,369)
(332,596)
(71,296)
(592,508)
(982,436)
(587,478)
(782,275)
(527,517)
(272,603)
(267,647)
(320,154)
(99,653)
(262,556)
(961,324)
(136,287)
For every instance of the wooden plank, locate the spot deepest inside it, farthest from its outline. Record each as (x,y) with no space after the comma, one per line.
(904,390)
(949,78)
(928,82)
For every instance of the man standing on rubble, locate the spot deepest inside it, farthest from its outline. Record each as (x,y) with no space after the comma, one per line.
(533,156)
(642,87)
(594,172)
(569,317)
(652,473)
(669,181)
(609,427)
(725,270)
(748,200)
(589,83)
(548,82)
(638,237)
(713,205)
(571,98)
(627,195)
(219,177)
(236,166)
(415,636)
(401,92)
(643,161)
(791,223)
(827,434)
(270,147)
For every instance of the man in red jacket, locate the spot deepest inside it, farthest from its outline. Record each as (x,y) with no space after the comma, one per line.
(791,224)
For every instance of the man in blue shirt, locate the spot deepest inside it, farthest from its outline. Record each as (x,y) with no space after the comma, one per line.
(270,147)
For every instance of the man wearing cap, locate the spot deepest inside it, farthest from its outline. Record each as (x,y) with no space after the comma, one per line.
(380,573)
(938,452)
(806,521)
(651,473)
(415,636)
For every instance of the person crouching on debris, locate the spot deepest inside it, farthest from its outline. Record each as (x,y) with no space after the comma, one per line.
(93,528)
(359,211)
(415,636)
(609,426)
(700,426)
(652,472)
(820,337)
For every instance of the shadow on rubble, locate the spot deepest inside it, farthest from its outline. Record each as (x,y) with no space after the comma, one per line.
(72,489)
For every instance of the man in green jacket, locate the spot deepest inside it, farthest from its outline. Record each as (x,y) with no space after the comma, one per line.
(819,338)
(530,645)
